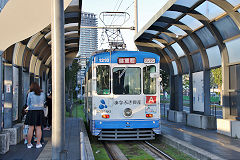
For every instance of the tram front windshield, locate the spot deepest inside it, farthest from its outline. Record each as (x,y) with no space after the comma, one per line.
(127,80)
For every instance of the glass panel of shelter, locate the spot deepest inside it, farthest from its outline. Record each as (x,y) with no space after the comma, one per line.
(209,10)
(184,64)
(178,49)
(166,37)
(186,3)
(151,31)
(172,14)
(168,53)
(226,27)
(191,22)
(159,43)
(214,56)
(175,70)
(160,24)
(190,44)
(176,30)
(233,48)
(197,62)
(206,37)
(234,2)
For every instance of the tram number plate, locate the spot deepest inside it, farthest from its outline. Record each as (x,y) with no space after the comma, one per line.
(149,60)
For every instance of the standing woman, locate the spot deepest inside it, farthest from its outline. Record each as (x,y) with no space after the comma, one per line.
(35,115)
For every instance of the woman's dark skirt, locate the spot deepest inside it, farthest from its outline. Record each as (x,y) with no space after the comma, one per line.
(35,118)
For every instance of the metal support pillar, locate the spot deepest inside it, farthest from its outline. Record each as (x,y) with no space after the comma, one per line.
(206,91)
(21,101)
(58,80)
(172,92)
(176,98)
(1,91)
(44,83)
(8,96)
(191,91)
(26,85)
(81,89)
(178,93)
(15,92)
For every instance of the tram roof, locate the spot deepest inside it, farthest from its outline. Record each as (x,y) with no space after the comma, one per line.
(193,36)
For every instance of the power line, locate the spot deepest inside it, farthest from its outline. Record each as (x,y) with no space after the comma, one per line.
(129,6)
(116,11)
(115,6)
(124,11)
(119,5)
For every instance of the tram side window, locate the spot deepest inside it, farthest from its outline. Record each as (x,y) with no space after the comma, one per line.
(103,80)
(149,84)
(126,80)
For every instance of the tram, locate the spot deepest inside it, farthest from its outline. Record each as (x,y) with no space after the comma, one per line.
(122,95)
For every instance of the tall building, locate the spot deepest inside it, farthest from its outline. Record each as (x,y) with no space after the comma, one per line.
(88,41)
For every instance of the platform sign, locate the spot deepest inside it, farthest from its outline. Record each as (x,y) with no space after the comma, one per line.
(198,92)
(151,99)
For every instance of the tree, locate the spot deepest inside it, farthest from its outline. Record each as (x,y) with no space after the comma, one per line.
(216,79)
(165,80)
(71,78)
(185,80)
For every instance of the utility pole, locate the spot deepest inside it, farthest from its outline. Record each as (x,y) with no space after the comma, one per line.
(136,16)
(136,19)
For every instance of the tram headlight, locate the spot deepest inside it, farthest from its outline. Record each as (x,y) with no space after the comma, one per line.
(127,112)
(105,116)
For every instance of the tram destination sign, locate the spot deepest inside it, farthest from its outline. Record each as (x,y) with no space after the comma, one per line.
(127,60)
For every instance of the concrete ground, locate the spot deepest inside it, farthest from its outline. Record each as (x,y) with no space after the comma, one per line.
(72,145)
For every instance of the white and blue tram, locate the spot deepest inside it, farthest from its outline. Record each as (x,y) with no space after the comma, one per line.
(122,95)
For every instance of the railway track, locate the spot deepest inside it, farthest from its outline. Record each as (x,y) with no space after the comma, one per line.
(155,152)
(115,153)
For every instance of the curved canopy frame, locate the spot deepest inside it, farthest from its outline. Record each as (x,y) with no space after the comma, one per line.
(194,36)
(168,28)
(34,53)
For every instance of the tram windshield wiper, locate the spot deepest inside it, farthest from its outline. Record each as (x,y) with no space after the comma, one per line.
(124,70)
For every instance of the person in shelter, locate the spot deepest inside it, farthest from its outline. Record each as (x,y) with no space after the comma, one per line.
(35,114)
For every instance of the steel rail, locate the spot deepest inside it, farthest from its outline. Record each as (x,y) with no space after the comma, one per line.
(157,151)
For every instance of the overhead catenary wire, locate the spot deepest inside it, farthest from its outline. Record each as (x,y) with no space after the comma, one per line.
(125,10)
(129,6)
(116,11)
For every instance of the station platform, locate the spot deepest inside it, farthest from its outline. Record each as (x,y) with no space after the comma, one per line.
(72,145)
(208,144)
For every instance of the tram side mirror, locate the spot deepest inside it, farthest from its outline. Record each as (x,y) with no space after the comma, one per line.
(156,75)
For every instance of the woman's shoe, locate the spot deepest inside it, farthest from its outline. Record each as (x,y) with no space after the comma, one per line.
(29,145)
(38,145)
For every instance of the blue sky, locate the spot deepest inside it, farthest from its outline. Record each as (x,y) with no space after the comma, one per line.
(146,10)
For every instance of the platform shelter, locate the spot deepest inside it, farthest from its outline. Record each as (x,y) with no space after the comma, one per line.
(193,37)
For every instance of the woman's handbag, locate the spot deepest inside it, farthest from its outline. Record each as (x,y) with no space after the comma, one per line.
(45,110)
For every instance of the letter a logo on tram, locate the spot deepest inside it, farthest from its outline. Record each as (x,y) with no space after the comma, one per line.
(151,99)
